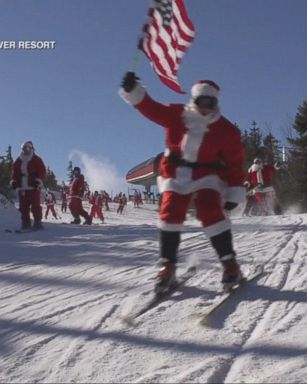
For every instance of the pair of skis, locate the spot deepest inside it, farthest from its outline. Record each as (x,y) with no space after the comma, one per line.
(223,297)
(156,298)
(19,231)
(204,316)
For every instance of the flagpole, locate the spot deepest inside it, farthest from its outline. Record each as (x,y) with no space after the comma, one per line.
(135,60)
(138,52)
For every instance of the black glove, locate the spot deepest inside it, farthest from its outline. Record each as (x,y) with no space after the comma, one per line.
(14,184)
(37,184)
(129,81)
(228,206)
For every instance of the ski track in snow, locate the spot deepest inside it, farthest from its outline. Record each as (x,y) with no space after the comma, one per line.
(63,291)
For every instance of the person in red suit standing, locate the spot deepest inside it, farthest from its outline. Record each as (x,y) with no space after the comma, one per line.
(252,206)
(64,195)
(50,201)
(122,202)
(76,193)
(264,191)
(203,159)
(27,177)
(96,210)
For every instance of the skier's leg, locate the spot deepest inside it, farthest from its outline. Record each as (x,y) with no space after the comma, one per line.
(73,207)
(24,208)
(36,207)
(218,228)
(172,215)
(53,212)
(82,212)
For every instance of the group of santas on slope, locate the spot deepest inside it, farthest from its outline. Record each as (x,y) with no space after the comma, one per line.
(74,195)
(261,198)
(27,178)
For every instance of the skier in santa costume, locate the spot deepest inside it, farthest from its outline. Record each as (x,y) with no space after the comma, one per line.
(203,159)
(76,193)
(50,200)
(28,175)
(96,209)
(64,195)
(260,176)
(250,183)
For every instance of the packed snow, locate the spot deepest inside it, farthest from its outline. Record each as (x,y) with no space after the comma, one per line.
(65,289)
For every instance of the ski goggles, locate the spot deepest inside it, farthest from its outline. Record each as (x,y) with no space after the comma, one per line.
(208,102)
(27,146)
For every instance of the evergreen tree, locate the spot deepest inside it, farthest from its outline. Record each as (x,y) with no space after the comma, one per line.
(70,172)
(252,142)
(6,162)
(51,181)
(297,164)
(300,126)
(271,149)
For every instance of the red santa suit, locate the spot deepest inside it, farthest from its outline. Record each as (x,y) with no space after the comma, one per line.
(253,175)
(137,199)
(105,200)
(204,155)
(251,182)
(122,201)
(264,191)
(96,210)
(76,192)
(50,201)
(64,196)
(28,174)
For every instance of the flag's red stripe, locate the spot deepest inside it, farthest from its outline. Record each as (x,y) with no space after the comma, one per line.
(166,46)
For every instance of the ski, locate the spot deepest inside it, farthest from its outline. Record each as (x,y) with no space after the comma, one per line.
(82,225)
(20,230)
(157,298)
(225,296)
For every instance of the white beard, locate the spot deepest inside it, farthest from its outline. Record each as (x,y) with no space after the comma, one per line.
(197,126)
(26,158)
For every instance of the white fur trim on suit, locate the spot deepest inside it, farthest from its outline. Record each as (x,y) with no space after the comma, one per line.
(263,189)
(259,176)
(235,194)
(204,89)
(197,125)
(135,96)
(217,228)
(163,225)
(186,186)
(24,170)
(254,168)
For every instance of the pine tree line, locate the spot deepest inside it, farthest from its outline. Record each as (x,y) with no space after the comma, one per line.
(290,181)
(6,162)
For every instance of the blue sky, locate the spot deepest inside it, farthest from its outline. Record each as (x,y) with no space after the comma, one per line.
(66,99)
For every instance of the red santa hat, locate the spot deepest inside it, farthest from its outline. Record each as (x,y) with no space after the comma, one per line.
(27,144)
(205,88)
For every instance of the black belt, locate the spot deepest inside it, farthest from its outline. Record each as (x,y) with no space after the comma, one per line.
(178,160)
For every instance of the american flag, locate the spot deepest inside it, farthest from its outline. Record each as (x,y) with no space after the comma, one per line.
(167,35)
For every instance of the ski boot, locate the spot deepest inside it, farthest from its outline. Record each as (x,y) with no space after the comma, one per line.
(166,277)
(76,221)
(25,226)
(232,274)
(37,225)
(88,221)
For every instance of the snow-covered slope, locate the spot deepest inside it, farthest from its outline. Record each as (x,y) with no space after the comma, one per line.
(64,289)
